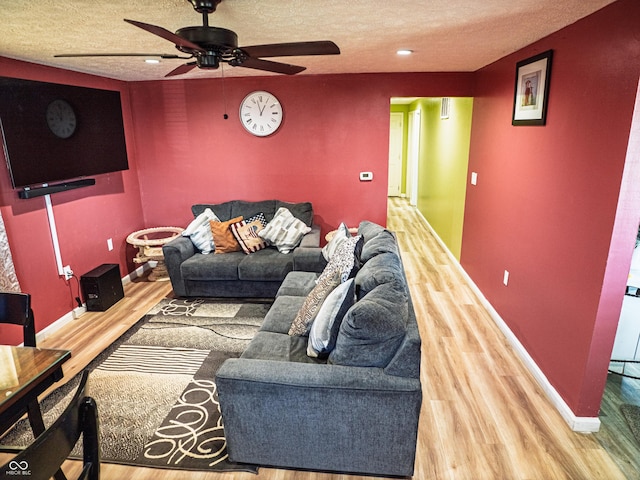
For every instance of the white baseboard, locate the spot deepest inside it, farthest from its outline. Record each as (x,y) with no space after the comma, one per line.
(577,424)
(137,273)
(70,316)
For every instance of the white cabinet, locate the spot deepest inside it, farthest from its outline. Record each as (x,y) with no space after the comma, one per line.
(626,345)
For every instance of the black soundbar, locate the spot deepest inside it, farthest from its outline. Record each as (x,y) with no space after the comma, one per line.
(31,192)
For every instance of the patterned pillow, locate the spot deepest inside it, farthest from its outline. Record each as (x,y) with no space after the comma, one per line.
(246,233)
(307,313)
(199,231)
(285,231)
(346,259)
(223,238)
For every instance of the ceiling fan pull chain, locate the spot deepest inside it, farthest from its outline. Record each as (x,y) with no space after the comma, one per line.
(224,93)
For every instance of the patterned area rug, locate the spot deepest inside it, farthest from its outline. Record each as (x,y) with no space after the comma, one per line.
(155,390)
(632,415)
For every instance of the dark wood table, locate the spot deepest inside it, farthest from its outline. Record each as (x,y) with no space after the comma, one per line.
(25,373)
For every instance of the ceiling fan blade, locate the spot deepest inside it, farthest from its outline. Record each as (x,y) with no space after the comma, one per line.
(324,47)
(166,34)
(270,66)
(182,69)
(160,55)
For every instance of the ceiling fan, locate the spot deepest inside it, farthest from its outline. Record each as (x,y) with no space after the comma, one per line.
(209,46)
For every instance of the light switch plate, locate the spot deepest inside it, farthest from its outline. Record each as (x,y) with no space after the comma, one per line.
(366,176)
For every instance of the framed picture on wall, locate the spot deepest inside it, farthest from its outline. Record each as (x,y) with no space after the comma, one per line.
(532,90)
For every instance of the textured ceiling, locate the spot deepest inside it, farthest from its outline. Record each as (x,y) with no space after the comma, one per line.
(445,35)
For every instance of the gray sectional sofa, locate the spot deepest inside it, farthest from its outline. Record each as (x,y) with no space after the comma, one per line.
(355,410)
(236,274)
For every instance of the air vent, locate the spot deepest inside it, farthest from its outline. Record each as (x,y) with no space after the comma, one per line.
(445,107)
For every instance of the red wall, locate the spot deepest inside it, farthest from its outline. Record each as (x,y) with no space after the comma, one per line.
(85,218)
(546,199)
(334,127)
(182,151)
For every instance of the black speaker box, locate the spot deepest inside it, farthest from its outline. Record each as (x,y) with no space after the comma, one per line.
(102,287)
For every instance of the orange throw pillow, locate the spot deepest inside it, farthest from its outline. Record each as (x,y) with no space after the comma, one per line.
(223,238)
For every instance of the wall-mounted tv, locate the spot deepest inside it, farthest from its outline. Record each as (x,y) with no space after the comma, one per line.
(53,132)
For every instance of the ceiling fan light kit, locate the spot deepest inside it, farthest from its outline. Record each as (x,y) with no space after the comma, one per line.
(208,46)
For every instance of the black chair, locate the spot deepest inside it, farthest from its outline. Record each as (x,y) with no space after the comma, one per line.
(15,308)
(42,459)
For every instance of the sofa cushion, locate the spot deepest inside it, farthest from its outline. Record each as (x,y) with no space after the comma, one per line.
(373,328)
(281,314)
(368,229)
(285,231)
(246,233)
(383,242)
(383,268)
(312,303)
(265,265)
(303,211)
(324,330)
(298,284)
(278,347)
(223,238)
(199,231)
(243,208)
(212,267)
(222,210)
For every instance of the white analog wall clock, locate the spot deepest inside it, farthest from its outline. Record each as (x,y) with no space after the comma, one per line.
(61,118)
(261,113)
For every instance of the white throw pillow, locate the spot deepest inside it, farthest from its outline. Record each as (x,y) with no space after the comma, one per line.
(325,327)
(342,233)
(285,231)
(199,230)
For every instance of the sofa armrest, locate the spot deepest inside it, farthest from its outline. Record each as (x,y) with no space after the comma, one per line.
(319,417)
(175,252)
(309,259)
(311,239)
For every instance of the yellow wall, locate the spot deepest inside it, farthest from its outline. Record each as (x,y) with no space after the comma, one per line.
(442,171)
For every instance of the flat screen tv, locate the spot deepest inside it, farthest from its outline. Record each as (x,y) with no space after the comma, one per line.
(53,132)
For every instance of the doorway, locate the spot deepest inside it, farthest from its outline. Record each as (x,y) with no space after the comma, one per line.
(396,148)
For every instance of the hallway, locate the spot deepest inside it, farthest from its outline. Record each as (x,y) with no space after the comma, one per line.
(483,415)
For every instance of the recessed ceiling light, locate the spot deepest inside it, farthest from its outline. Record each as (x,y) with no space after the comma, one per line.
(152,60)
(404,51)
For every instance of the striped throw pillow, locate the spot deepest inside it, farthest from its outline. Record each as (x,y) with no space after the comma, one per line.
(285,231)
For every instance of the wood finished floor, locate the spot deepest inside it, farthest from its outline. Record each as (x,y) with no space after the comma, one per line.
(483,416)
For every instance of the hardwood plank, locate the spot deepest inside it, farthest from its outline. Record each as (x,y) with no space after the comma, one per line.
(483,415)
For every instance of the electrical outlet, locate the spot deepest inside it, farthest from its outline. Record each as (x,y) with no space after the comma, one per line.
(67,272)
